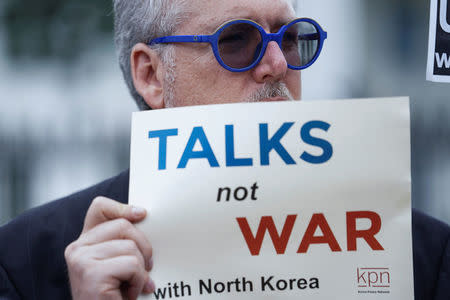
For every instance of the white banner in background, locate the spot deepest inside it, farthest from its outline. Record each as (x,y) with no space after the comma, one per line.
(282,200)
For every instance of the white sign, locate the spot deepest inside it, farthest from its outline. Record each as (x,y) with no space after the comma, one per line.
(276,200)
(438,64)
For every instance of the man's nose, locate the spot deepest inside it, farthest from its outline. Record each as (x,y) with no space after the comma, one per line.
(273,65)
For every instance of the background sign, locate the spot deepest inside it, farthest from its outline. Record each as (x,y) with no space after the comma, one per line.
(438,66)
(278,200)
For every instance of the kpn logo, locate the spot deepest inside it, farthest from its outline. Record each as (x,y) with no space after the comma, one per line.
(442,47)
(373,280)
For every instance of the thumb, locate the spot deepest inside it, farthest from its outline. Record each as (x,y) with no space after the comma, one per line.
(103,209)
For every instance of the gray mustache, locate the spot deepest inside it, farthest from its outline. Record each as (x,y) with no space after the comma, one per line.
(269,90)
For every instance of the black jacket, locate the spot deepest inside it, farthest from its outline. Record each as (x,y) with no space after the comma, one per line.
(32,264)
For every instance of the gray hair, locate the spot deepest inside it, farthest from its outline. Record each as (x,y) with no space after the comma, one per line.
(139,21)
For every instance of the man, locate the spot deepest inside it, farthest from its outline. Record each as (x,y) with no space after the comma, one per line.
(91,241)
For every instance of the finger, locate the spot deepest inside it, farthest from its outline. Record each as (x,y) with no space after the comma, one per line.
(114,248)
(119,229)
(149,287)
(103,209)
(126,269)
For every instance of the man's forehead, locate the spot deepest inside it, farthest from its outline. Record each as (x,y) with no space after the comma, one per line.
(207,15)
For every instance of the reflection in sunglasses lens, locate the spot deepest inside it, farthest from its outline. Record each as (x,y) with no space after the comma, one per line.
(300,43)
(239,45)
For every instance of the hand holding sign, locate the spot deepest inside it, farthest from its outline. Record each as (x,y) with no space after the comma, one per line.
(111,257)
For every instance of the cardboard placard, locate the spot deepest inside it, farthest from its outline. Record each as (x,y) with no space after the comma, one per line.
(276,200)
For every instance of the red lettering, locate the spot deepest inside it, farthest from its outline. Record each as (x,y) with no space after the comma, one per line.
(368,235)
(254,243)
(318,220)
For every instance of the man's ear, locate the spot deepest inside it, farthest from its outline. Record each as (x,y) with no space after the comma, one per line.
(148,75)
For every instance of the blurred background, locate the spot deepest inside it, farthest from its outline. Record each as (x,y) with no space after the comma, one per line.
(65,112)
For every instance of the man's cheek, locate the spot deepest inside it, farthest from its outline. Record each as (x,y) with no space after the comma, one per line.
(294,85)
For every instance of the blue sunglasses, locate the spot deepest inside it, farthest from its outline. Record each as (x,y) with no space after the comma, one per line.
(239,45)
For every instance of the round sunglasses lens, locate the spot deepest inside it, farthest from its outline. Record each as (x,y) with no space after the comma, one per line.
(300,43)
(239,45)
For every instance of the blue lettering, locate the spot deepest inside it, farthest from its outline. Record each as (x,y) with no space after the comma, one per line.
(198,135)
(162,135)
(232,161)
(305,134)
(266,145)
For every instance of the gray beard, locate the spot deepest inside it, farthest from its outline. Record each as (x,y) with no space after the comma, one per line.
(169,87)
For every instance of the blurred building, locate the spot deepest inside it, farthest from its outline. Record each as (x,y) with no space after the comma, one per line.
(65,112)
(65,121)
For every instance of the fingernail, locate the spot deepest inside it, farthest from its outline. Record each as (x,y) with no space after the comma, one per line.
(150,286)
(138,211)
